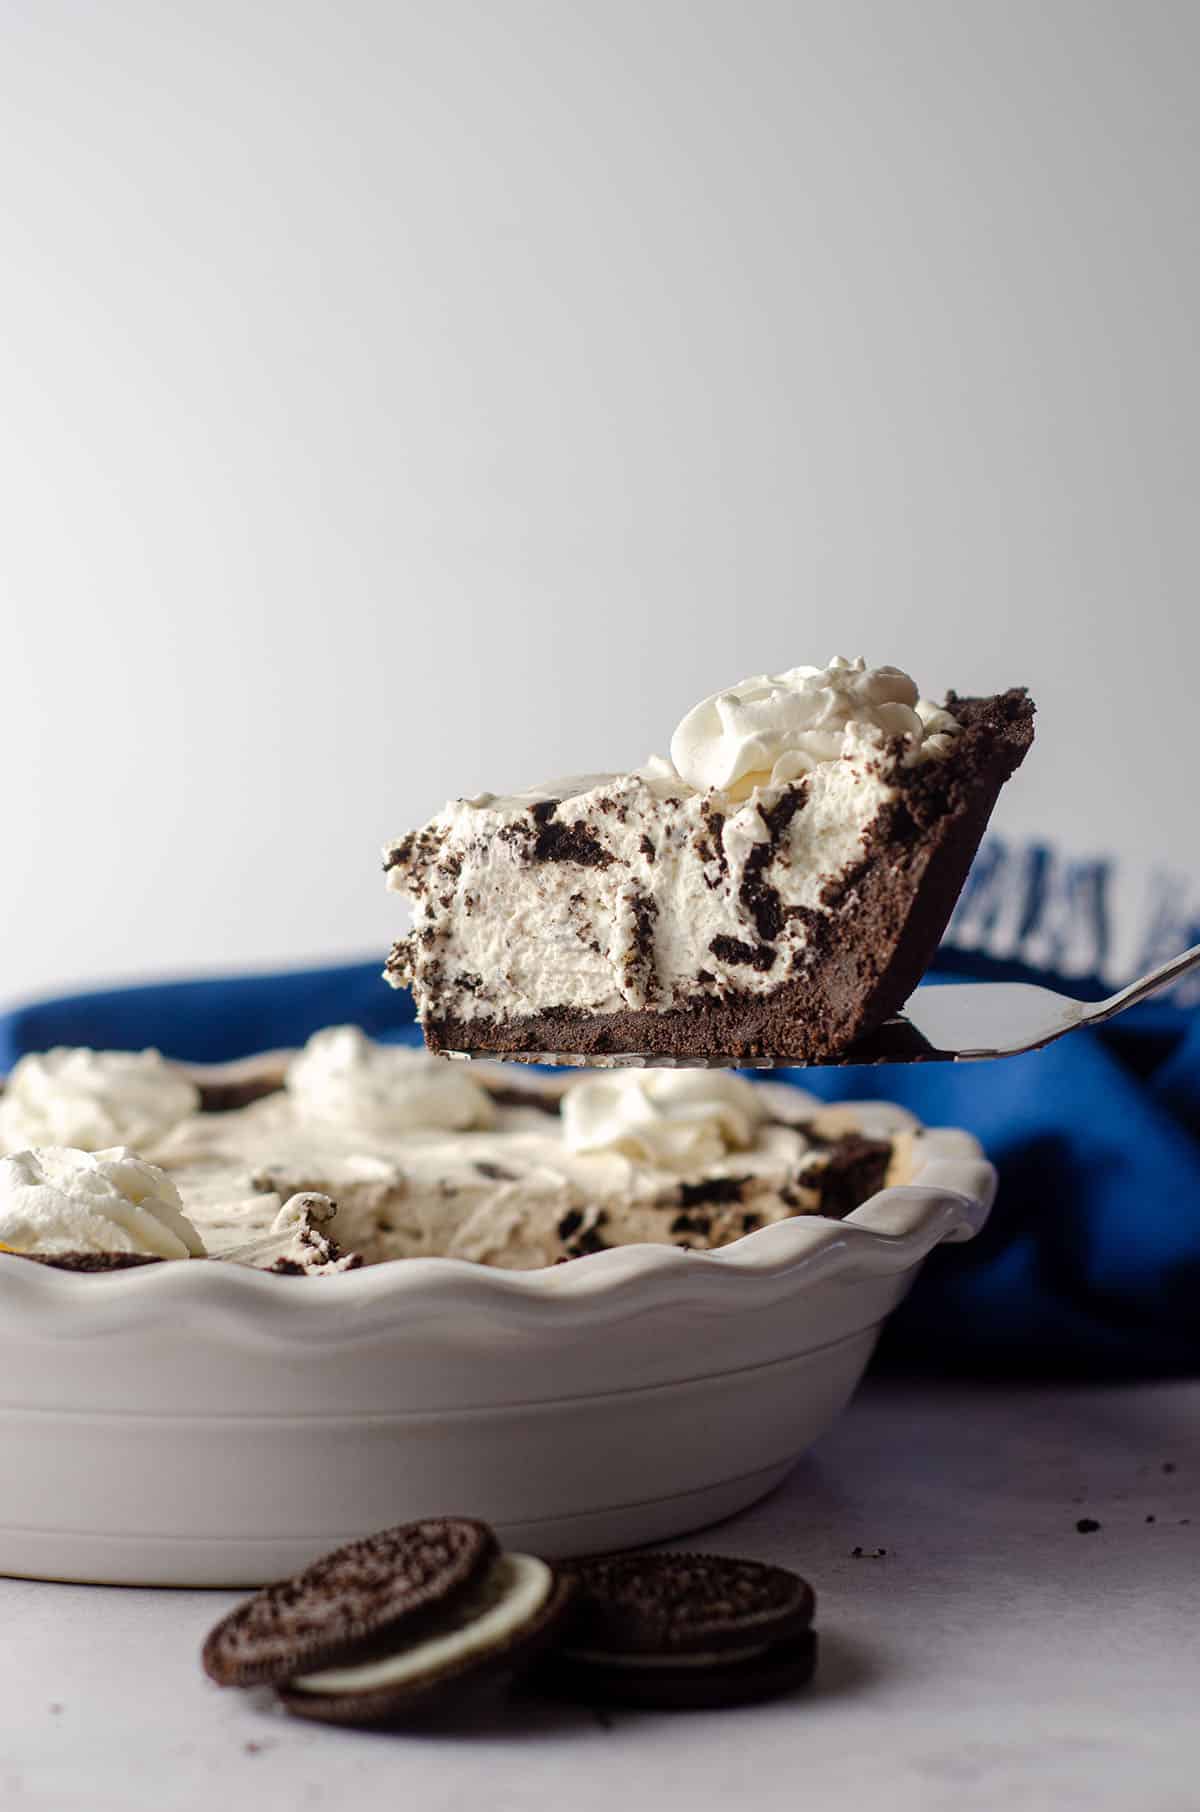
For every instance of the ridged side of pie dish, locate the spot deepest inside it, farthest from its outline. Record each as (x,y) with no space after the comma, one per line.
(203,1424)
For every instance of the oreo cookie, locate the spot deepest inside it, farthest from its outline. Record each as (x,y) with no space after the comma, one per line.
(364,1592)
(496,1627)
(393,1626)
(682,1632)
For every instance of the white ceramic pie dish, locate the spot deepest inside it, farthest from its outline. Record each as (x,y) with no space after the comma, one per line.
(202,1424)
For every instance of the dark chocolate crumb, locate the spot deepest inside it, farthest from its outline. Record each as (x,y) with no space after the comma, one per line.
(589,1241)
(836,890)
(557,842)
(647,848)
(220,1097)
(692,1223)
(638,963)
(756,895)
(711,1189)
(91,1261)
(855,1169)
(495,1173)
(570,1224)
(1151,1518)
(750,1222)
(506,1095)
(778,818)
(1168,1466)
(732,950)
(818,1141)
(868,1553)
(709,845)
(1087,1525)
(761,900)
(400,852)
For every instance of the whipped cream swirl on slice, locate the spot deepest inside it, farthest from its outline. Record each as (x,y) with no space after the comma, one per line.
(342,1077)
(54,1199)
(776,726)
(675,1119)
(93,1099)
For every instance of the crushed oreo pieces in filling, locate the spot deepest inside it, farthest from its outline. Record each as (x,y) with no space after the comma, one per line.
(510,1191)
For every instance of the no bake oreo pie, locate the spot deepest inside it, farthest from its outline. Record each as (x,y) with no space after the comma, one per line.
(398,1154)
(777,888)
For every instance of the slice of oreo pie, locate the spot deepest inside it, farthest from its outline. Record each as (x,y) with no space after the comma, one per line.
(682,1632)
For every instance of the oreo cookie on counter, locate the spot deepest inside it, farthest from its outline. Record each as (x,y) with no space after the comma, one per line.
(392,1626)
(682,1632)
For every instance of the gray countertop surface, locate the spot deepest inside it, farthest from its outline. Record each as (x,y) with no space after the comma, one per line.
(980,1652)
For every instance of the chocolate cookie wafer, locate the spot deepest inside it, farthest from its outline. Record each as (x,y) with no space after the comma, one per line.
(368,1591)
(682,1631)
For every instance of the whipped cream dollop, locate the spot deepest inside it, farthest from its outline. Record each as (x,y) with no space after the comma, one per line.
(775,727)
(342,1077)
(54,1199)
(93,1099)
(676,1119)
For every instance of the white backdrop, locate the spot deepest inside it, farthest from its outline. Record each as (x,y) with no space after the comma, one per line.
(401,399)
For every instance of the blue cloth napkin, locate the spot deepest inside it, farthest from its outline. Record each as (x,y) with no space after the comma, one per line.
(1090,1263)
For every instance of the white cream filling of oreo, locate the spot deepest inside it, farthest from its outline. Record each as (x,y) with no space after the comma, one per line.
(513,1590)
